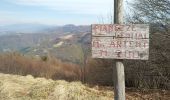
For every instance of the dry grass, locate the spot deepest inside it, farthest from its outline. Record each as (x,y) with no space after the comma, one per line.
(14,87)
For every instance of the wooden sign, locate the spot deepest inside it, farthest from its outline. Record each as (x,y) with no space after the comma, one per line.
(120,41)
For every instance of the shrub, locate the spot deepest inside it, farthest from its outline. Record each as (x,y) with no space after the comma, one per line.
(15,63)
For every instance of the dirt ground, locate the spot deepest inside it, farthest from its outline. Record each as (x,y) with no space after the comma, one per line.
(14,87)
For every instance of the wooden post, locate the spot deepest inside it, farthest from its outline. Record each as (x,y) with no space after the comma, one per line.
(119,80)
(118,70)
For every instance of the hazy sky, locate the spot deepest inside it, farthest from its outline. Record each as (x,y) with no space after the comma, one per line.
(58,12)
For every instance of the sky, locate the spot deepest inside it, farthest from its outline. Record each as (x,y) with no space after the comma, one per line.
(55,12)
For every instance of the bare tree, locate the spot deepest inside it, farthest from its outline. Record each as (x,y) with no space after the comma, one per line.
(157,14)
(150,11)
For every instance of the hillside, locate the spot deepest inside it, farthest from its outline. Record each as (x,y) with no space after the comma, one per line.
(14,87)
(64,42)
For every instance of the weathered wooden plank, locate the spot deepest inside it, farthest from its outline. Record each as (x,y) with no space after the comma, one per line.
(127,42)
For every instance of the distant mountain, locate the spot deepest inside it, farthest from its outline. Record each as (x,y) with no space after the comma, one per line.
(70,28)
(23,28)
(40,28)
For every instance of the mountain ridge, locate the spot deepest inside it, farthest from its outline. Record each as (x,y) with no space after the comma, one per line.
(41,28)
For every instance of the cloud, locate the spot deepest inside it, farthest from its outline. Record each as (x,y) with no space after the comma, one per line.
(92,7)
